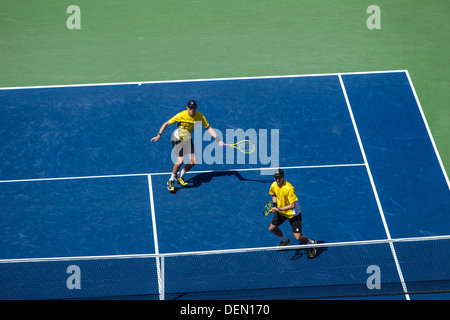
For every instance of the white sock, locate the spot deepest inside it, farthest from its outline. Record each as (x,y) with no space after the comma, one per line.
(283,238)
(182,173)
(172,177)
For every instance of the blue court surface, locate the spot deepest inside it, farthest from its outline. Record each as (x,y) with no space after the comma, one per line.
(80,178)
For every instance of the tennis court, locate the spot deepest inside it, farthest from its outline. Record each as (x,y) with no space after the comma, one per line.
(82,185)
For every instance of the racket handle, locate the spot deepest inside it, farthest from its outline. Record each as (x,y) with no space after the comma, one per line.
(226,144)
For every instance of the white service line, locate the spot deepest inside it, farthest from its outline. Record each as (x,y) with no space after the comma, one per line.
(190,172)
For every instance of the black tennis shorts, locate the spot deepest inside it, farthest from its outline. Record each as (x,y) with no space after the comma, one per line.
(296,222)
(182,148)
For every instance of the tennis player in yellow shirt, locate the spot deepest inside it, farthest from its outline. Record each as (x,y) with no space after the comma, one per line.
(182,140)
(286,207)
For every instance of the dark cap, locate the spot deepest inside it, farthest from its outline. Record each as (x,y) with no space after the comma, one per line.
(278,173)
(192,104)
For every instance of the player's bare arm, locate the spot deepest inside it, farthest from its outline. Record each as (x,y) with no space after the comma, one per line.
(288,207)
(214,135)
(163,127)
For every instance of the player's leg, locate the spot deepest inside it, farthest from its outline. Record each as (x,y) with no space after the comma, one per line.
(296,224)
(177,148)
(277,220)
(192,162)
(187,167)
(190,151)
(301,237)
(176,167)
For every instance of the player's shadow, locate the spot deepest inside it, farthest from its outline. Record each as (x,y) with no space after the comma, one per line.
(301,252)
(206,177)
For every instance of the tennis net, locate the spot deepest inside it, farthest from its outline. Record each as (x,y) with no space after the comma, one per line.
(363,268)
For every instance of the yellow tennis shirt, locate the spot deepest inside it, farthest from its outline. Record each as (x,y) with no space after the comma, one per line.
(285,196)
(186,124)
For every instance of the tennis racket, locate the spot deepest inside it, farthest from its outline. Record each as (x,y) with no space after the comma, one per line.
(245,146)
(268,208)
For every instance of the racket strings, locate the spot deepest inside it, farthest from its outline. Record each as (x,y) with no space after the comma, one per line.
(268,208)
(246,147)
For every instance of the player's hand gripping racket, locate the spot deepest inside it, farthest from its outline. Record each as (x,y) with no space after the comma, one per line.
(268,208)
(245,146)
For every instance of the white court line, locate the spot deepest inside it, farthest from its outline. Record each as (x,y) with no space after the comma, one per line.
(198,80)
(375,192)
(428,129)
(152,209)
(159,261)
(76,178)
(190,172)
